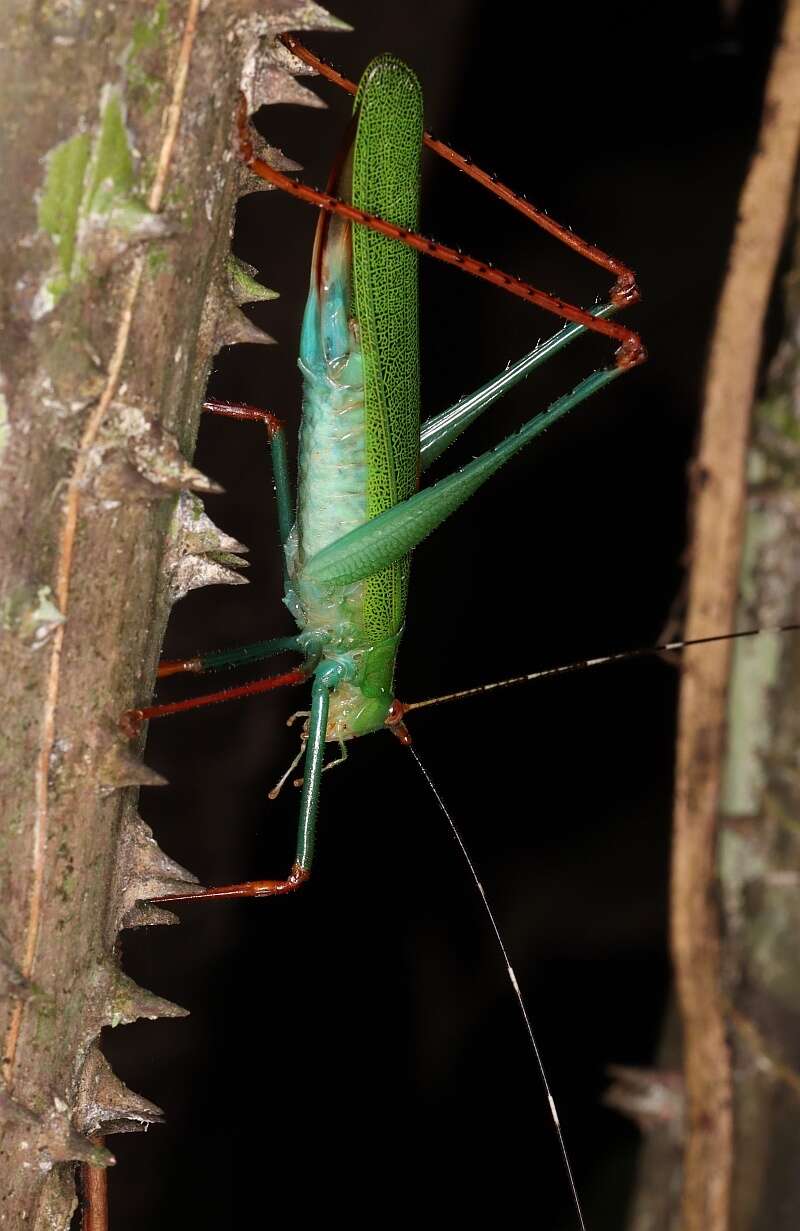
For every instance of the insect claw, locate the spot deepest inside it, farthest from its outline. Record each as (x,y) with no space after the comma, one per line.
(625,291)
(131,723)
(630,353)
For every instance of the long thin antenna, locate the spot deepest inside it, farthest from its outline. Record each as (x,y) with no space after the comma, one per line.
(583,663)
(512,979)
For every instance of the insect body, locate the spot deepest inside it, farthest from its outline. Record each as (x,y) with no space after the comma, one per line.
(359,511)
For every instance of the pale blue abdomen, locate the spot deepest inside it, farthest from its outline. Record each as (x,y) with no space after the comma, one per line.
(332,458)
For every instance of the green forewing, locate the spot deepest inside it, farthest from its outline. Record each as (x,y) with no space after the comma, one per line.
(386,157)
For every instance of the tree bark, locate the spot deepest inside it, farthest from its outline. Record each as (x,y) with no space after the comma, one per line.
(117,193)
(736,861)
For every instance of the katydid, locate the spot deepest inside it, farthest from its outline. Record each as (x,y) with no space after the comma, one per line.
(360,511)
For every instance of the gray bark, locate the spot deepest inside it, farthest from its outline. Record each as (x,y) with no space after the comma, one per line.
(117,193)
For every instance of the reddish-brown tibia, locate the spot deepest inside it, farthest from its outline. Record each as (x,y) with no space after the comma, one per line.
(247,889)
(241,410)
(623,293)
(175,666)
(132,720)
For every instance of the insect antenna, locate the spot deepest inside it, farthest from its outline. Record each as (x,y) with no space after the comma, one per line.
(512,979)
(402,708)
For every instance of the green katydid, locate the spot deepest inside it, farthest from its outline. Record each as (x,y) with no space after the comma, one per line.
(359,511)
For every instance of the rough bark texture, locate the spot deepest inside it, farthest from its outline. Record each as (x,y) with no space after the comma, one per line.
(735,871)
(759,852)
(117,193)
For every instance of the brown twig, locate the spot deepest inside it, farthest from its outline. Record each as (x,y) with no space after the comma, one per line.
(718,516)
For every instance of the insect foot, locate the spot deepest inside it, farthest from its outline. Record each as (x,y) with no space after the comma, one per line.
(630,354)
(625,291)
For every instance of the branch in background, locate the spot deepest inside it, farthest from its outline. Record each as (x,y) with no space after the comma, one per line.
(718,515)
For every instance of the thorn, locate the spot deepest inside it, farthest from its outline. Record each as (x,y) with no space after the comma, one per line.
(276,55)
(233,328)
(244,286)
(198,553)
(305,16)
(157,456)
(105,1104)
(192,572)
(271,85)
(145,915)
(128,1003)
(145,871)
(192,530)
(193,480)
(121,767)
(248,182)
(275,157)
(146,856)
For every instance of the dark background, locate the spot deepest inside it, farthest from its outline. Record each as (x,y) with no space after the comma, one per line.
(355,1051)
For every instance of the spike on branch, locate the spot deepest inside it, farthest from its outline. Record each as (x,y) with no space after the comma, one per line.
(275,85)
(234,328)
(121,767)
(244,286)
(193,572)
(126,1002)
(199,553)
(145,871)
(193,531)
(146,915)
(105,1104)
